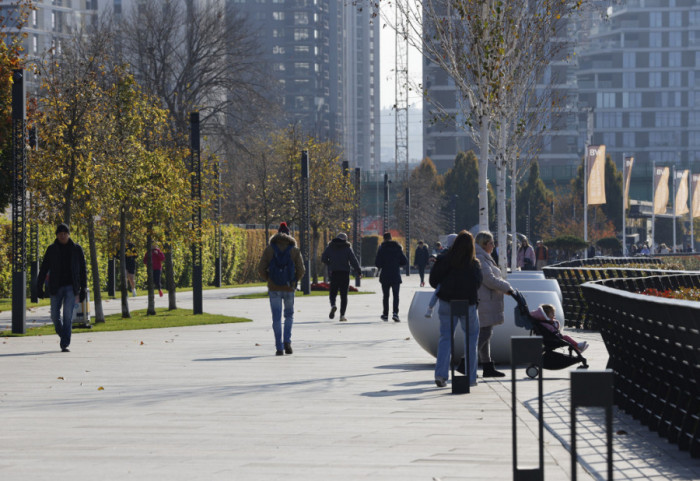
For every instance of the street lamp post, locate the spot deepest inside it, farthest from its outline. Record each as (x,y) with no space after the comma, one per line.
(356,224)
(304,234)
(19,205)
(385,220)
(196,166)
(408,230)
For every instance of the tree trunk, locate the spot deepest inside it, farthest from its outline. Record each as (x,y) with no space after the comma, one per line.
(483,174)
(151,310)
(513,216)
(122,264)
(94,266)
(502,226)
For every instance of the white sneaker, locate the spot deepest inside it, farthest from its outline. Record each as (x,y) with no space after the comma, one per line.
(133,292)
(429,312)
(343,319)
(582,346)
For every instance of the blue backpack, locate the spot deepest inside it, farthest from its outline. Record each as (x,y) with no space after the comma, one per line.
(281,268)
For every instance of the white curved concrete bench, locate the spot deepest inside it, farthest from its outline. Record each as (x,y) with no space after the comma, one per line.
(426,331)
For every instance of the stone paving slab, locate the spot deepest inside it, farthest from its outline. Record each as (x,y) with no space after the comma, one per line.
(355,401)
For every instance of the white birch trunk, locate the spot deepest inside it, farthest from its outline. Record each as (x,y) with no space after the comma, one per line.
(513,226)
(483,174)
(502,234)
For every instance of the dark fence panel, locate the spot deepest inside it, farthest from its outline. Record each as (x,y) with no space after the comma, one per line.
(571,275)
(654,348)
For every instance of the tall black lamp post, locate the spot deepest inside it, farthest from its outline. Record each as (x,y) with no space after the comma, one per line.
(196,182)
(356,224)
(19,206)
(385,220)
(408,230)
(304,234)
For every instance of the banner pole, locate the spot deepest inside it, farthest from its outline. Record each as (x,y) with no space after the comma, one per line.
(624,204)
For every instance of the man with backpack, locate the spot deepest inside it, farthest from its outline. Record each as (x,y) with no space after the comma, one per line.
(282,266)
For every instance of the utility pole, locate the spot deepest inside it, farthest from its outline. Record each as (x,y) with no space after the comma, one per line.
(19,204)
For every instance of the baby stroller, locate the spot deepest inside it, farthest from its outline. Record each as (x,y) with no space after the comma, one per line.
(551,357)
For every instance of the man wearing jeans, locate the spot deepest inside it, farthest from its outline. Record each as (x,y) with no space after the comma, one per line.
(389,259)
(282,294)
(64,263)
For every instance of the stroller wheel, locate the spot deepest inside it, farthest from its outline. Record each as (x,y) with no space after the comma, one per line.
(532,371)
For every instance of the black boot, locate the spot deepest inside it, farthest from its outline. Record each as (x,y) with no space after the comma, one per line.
(490,371)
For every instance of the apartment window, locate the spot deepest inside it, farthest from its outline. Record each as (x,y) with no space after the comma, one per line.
(675,19)
(693,119)
(635,119)
(35,44)
(302,49)
(608,120)
(655,39)
(278,33)
(34,18)
(606,100)
(301,34)
(655,19)
(279,67)
(278,50)
(694,17)
(301,67)
(628,80)
(674,59)
(654,79)
(277,15)
(628,139)
(655,59)
(667,119)
(674,79)
(629,60)
(609,139)
(631,99)
(301,18)
(675,39)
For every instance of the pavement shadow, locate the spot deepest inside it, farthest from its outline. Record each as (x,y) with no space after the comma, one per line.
(637,452)
(429,388)
(238,358)
(408,367)
(39,353)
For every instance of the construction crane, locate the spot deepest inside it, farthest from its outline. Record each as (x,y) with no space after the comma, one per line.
(401,88)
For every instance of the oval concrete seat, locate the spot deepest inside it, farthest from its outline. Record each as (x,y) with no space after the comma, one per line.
(426,331)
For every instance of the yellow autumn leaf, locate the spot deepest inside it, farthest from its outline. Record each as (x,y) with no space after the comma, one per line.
(100,388)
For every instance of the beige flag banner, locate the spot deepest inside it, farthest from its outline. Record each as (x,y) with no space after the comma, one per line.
(627,164)
(661,189)
(696,195)
(681,202)
(596,174)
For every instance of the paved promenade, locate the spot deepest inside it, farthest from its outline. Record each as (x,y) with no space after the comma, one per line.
(355,401)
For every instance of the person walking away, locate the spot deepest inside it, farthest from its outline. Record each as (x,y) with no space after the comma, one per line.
(282,266)
(434,298)
(389,259)
(491,304)
(64,264)
(157,258)
(542,255)
(130,266)
(420,260)
(339,257)
(458,275)
(526,256)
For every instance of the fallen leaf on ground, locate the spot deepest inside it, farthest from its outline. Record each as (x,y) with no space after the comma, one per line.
(142,343)
(100,388)
(61,378)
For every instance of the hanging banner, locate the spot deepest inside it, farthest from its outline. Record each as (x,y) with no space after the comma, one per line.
(681,202)
(627,164)
(696,195)
(661,189)
(596,174)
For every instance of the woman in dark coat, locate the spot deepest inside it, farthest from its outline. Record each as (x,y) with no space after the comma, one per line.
(458,275)
(420,260)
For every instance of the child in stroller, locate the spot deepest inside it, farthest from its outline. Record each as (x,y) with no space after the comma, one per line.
(545,315)
(541,322)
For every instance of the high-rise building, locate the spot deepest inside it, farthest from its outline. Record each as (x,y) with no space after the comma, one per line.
(638,73)
(49,24)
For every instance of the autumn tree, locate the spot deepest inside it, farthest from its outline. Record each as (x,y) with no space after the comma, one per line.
(426,202)
(12,19)
(462,181)
(534,205)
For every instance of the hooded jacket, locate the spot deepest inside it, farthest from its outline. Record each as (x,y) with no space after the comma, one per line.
(282,240)
(338,256)
(493,287)
(422,256)
(389,259)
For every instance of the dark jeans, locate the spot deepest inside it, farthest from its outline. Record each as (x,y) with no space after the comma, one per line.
(340,282)
(385,299)
(421,273)
(156,278)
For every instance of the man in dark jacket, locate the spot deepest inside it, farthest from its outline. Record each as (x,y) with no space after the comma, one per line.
(64,262)
(282,294)
(339,257)
(390,258)
(420,260)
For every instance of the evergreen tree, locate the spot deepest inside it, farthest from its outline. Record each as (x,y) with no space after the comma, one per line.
(462,180)
(534,204)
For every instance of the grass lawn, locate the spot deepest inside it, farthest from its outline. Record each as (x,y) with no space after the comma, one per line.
(263,295)
(6,303)
(139,320)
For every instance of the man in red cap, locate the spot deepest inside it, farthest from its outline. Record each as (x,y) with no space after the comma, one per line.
(282,266)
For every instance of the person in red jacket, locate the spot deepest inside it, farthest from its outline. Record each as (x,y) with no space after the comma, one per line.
(157,258)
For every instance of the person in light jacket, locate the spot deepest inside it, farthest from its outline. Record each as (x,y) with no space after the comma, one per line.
(526,256)
(493,287)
